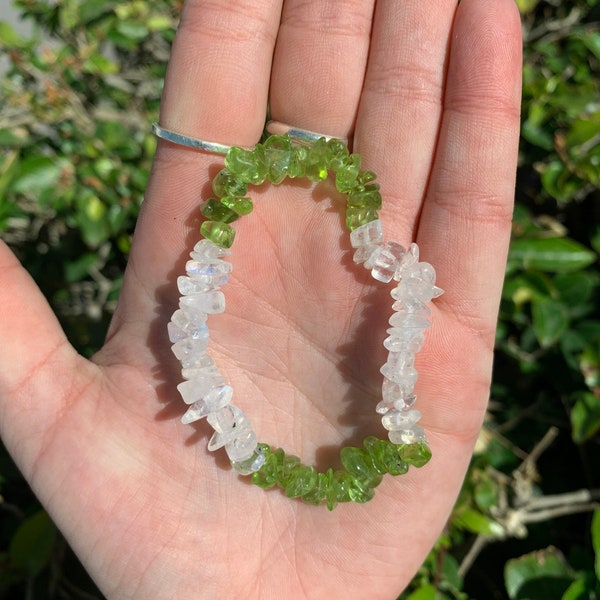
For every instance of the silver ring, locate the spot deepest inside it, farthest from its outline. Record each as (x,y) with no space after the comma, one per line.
(300,135)
(188,142)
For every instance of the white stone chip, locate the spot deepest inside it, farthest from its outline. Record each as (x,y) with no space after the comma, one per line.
(397,420)
(369,234)
(196,389)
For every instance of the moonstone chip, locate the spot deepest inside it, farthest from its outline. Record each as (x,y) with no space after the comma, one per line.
(186,286)
(403,320)
(186,316)
(175,333)
(242,447)
(215,400)
(195,412)
(405,402)
(191,323)
(196,389)
(210,275)
(228,418)
(414,435)
(207,267)
(189,351)
(396,420)
(205,249)
(401,360)
(415,308)
(404,340)
(406,376)
(395,396)
(369,234)
(197,371)
(227,438)
(210,302)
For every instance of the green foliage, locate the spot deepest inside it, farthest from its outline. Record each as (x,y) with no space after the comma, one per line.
(561,87)
(75,108)
(548,575)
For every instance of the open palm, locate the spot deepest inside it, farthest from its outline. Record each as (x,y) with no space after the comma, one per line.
(430,94)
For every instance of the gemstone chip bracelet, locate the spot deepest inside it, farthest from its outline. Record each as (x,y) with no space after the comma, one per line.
(207,391)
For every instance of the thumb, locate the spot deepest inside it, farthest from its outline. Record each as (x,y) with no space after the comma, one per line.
(39,369)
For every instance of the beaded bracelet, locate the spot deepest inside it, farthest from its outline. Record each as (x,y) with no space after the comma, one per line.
(207,392)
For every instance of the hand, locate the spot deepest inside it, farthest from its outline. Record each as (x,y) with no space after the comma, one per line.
(431,96)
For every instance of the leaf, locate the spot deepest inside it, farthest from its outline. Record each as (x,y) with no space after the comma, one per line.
(476,522)
(427,592)
(558,181)
(486,493)
(9,38)
(575,289)
(578,590)
(79,268)
(557,255)
(36,174)
(592,41)
(585,417)
(32,544)
(526,6)
(596,541)
(550,320)
(540,575)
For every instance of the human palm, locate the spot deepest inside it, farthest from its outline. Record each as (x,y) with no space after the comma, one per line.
(431,97)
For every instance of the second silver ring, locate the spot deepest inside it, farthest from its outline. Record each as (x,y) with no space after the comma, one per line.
(299,135)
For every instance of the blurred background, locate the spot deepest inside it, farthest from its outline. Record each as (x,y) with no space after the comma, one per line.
(80,82)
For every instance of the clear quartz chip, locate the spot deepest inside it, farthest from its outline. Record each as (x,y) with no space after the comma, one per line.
(363,254)
(369,234)
(422,271)
(386,261)
(414,435)
(251,464)
(408,260)
(205,249)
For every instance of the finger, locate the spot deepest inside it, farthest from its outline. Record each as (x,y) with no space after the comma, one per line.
(465,224)
(470,201)
(319,64)
(401,104)
(216,89)
(36,362)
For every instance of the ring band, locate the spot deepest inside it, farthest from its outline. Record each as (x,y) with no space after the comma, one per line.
(300,135)
(188,142)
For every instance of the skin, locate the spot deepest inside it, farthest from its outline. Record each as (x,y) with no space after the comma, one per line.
(431,96)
